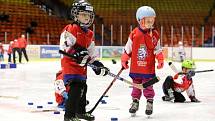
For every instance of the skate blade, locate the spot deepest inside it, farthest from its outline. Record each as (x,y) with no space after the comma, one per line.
(133,114)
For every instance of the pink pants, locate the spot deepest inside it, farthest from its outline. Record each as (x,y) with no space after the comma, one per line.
(148,92)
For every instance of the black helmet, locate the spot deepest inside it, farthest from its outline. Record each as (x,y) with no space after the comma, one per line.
(82,6)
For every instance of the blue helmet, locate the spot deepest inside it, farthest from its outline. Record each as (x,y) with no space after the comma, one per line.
(145,11)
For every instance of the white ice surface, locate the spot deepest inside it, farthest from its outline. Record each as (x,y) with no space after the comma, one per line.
(33,82)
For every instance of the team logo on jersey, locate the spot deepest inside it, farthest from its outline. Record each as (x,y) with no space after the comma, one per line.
(141,54)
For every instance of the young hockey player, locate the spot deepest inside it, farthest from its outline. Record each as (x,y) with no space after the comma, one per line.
(9,51)
(61,92)
(143,46)
(77,40)
(1,52)
(181,51)
(174,86)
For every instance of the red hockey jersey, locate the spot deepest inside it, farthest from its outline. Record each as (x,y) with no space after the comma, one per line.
(143,46)
(184,85)
(71,36)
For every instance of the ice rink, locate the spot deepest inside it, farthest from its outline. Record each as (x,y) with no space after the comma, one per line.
(33,82)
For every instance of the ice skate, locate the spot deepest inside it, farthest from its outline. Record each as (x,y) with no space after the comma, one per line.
(166,98)
(149,107)
(171,95)
(86,116)
(134,107)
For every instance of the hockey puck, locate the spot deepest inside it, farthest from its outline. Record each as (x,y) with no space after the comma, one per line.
(30,103)
(113,61)
(56,112)
(50,102)
(106,96)
(114,119)
(39,106)
(103,102)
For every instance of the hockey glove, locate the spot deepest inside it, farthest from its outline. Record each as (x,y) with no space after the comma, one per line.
(160,59)
(190,74)
(81,56)
(124,60)
(175,77)
(100,70)
(193,99)
(65,95)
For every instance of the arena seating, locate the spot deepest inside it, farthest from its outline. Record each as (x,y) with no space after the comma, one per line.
(21,14)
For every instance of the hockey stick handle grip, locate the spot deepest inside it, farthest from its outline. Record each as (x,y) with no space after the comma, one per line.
(66,54)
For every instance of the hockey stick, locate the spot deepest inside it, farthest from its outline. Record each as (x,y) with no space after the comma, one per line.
(12,97)
(180,73)
(172,66)
(204,71)
(105,91)
(139,86)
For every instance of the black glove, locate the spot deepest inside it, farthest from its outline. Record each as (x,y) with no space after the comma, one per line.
(193,99)
(81,56)
(100,70)
(190,74)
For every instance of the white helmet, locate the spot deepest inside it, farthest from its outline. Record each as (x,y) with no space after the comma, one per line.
(145,11)
(180,43)
(11,42)
(82,6)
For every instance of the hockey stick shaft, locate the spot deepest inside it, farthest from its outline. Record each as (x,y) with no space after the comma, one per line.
(172,66)
(110,85)
(180,73)
(204,71)
(139,86)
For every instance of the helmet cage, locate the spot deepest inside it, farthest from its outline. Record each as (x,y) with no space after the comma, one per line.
(82,7)
(143,12)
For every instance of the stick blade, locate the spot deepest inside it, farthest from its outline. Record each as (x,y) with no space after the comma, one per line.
(151,82)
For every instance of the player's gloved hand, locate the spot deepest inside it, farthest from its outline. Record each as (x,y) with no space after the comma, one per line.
(160,64)
(175,77)
(100,69)
(65,95)
(194,99)
(160,59)
(124,60)
(103,71)
(82,56)
(190,74)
